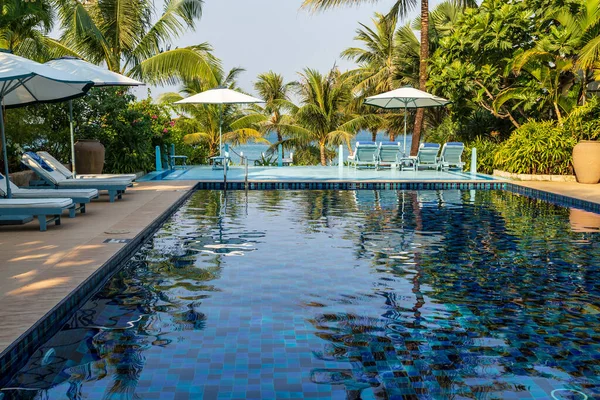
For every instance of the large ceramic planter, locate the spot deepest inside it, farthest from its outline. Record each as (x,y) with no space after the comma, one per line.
(586,161)
(89,156)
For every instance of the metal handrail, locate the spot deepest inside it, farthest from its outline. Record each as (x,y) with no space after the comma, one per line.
(225,174)
(246,174)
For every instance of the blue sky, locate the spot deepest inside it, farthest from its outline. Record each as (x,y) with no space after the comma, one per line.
(262,35)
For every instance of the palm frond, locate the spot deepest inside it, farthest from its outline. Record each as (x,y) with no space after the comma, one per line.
(186,63)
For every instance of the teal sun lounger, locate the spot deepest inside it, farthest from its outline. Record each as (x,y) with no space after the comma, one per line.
(40,208)
(365,155)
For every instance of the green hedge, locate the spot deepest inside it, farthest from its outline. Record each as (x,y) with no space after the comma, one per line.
(537,148)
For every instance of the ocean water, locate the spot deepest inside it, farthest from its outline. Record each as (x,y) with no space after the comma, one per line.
(339,295)
(254,150)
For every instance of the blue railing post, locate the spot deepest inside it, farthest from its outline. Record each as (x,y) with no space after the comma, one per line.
(279,155)
(158,165)
(474,161)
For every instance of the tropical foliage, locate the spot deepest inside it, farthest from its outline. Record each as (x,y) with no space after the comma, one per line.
(204,123)
(129,129)
(128,36)
(270,118)
(323,116)
(519,74)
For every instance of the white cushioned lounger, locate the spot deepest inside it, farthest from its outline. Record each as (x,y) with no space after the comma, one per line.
(39,208)
(115,187)
(79,196)
(59,167)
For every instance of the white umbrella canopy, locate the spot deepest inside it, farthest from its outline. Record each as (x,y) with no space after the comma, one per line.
(24,82)
(406,97)
(220,96)
(100,77)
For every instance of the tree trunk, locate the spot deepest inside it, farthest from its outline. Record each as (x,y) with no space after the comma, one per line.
(558,113)
(323,159)
(374,135)
(416,136)
(211,150)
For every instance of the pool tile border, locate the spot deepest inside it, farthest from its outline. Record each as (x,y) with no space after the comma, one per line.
(336,185)
(558,199)
(16,354)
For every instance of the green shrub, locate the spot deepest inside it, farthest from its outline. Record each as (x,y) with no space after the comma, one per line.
(584,122)
(311,155)
(486,150)
(445,132)
(537,148)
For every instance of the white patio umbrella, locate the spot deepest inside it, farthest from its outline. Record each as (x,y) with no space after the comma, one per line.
(100,77)
(24,82)
(220,95)
(406,97)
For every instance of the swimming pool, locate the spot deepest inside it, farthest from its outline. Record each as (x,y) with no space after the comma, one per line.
(340,294)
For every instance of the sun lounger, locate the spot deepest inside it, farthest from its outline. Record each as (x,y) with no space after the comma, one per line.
(287,161)
(40,208)
(365,154)
(387,154)
(428,156)
(59,167)
(79,196)
(115,187)
(451,155)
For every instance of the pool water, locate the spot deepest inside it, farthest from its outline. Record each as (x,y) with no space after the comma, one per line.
(340,295)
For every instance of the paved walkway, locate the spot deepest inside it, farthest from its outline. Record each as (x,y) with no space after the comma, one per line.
(39,269)
(571,189)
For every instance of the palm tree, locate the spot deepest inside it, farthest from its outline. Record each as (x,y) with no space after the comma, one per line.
(400,9)
(377,61)
(201,121)
(582,37)
(271,117)
(121,34)
(23,26)
(323,117)
(389,57)
(553,75)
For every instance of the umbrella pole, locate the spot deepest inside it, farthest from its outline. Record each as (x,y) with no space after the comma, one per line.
(221,129)
(405,117)
(4,153)
(72,138)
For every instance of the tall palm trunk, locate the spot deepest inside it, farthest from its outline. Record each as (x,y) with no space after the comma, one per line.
(373,135)
(323,158)
(279,140)
(416,137)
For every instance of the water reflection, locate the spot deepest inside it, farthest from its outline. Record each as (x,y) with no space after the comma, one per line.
(340,294)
